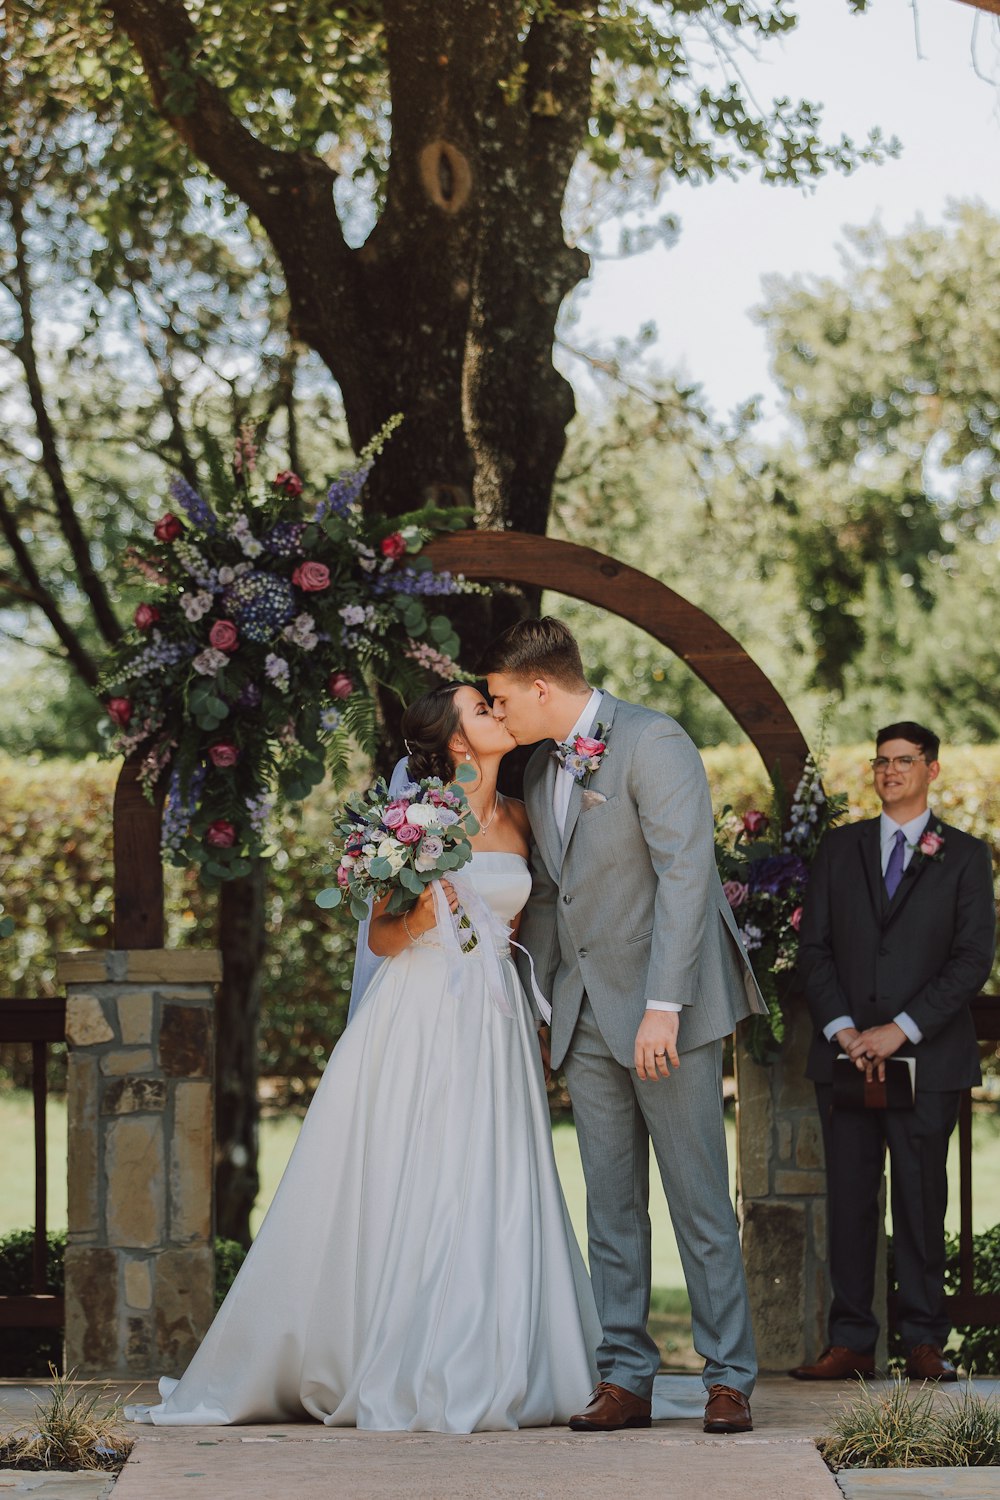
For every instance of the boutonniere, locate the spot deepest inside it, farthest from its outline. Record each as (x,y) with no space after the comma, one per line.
(930,845)
(582,755)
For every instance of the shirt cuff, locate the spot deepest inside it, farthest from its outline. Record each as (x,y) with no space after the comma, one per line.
(663,1005)
(909,1026)
(838,1025)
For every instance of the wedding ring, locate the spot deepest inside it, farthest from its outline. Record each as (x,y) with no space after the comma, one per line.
(659,1054)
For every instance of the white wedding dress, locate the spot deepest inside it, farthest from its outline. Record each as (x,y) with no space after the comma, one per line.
(417,1269)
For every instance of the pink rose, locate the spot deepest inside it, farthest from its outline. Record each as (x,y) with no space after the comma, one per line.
(312,577)
(221,835)
(289,482)
(146,616)
(393,546)
(340,685)
(168,528)
(587,748)
(394,815)
(223,754)
(755,822)
(119,711)
(795,920)
(930,843)
(224,636)
(735,892)
(408,834)
(343,876)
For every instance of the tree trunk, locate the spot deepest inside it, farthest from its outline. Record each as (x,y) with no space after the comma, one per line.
(242,941)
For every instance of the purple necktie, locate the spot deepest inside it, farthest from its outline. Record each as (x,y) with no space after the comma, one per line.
(894,869)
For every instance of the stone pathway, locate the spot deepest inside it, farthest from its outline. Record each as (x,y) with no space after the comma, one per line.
(674,1458)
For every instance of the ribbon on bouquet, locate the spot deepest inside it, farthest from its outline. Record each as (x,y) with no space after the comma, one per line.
(491,935)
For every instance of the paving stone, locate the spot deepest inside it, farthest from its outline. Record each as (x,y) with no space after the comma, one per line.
(56,1486)
(920,1484)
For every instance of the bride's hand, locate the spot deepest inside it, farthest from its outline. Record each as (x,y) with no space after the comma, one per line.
(421,917)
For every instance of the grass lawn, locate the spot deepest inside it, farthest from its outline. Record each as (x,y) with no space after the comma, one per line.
(670,1321)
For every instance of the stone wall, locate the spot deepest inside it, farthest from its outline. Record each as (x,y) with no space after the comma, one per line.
(139,1259)
(782,1191)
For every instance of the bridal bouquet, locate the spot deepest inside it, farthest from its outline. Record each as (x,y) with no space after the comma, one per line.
(395,846)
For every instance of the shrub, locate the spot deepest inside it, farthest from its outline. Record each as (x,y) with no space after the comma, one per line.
(30,1351)
(978,1348)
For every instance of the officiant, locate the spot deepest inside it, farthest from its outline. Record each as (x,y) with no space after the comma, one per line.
(897,939)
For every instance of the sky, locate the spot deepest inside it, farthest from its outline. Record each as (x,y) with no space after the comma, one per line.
(903,67)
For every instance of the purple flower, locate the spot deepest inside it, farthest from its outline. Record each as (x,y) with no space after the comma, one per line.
(777,874)
(191,503)
(249,696)
(413,581)
(344,492)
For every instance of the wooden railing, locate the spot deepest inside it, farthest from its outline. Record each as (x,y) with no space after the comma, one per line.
(39,1022)
(967,1307)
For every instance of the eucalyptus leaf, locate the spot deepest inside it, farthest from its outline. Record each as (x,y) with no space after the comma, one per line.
(330,897)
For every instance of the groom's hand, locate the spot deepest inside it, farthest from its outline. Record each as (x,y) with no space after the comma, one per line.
(656,1044)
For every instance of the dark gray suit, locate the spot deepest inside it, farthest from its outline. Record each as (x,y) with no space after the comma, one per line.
(626,906)
(927,952)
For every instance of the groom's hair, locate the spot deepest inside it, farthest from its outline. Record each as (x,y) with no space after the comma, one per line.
(908,729)
(536,648)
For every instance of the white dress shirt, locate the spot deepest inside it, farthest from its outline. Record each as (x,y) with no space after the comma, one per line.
(888,828)
(564,789)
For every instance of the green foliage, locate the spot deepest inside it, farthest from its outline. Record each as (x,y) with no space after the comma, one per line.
(978,1348)
(229,1256)
(900,1427)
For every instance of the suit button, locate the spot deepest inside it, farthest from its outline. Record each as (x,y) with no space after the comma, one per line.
(567,900)
(583,952)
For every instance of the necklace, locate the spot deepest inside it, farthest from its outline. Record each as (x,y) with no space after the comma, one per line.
(484,826)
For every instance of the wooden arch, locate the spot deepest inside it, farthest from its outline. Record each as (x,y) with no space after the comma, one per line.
(539,562)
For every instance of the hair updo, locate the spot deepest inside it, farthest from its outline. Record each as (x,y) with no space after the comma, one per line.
(428,724)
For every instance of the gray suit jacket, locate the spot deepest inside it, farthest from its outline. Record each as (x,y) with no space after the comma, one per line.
(628,905)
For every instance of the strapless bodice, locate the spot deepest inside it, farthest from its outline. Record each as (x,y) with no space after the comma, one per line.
(500,877)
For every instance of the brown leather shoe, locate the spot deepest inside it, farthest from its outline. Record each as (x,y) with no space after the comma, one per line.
(928,1362)
(727,1410)
(611,1408)
(836,1363)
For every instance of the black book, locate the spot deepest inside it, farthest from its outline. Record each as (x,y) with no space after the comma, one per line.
(852,1091)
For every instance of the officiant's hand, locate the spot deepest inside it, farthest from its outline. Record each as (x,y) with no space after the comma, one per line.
(656,1044)
(875,1045)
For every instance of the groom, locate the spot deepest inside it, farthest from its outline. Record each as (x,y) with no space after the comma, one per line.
(636,944)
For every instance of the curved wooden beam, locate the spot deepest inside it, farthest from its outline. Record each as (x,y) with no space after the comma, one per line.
(711,652)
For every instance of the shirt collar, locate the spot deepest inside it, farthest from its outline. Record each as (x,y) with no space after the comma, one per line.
(913,829)
(586,720)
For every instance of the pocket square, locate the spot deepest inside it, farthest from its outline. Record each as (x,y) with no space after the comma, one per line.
(593,799)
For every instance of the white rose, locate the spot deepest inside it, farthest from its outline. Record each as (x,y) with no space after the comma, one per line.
(423,815)
(394,853)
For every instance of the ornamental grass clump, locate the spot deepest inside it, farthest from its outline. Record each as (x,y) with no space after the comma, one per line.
(905,1427)
(77,1428)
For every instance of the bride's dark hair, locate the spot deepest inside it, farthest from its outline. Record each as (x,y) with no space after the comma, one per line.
(428,724)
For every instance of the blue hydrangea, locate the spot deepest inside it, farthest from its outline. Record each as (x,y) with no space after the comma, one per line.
(285,539)
(261,604)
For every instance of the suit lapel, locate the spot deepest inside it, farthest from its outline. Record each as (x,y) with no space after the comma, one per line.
(911,875)
(543,822)
(605,715)
(870,852)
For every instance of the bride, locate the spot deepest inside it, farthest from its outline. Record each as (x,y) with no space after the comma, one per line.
(417,1270)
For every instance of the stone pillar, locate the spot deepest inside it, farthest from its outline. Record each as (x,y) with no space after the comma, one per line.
(782,1194)
(139,1259)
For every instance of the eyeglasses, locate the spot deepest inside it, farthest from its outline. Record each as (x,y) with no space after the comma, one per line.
(897,762)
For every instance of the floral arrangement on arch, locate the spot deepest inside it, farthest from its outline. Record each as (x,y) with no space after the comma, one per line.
(763,859)
(251,666)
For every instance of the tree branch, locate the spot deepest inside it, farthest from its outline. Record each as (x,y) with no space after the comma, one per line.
(34,589)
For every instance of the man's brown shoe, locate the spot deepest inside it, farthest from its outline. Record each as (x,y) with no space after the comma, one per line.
(836,1363)
(611,1408)
(928,1362)
(727,1410)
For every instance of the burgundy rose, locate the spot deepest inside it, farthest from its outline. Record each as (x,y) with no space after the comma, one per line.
(312,577)
(408,834)
(393,546)
(168,528)
(221,834)
(289,482)
(795,920)
(340,685)
(224,636)
(146,616)
(735,893)
(755,822)
(223,754)
(119,711)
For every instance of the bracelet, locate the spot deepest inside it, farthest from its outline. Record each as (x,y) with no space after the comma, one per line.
(406,929)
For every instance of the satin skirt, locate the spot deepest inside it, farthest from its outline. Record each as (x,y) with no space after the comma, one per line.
(417,1269)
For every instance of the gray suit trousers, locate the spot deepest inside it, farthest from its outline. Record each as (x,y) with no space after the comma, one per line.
(617,1114)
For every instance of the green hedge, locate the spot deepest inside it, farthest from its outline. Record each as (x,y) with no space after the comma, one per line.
(55,882)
